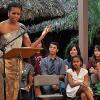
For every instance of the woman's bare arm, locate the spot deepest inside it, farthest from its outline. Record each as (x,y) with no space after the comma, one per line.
(72,82)
(27,42)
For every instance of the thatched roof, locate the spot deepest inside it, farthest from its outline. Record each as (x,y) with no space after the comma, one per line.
(42,8)
(61,14)
(68,20)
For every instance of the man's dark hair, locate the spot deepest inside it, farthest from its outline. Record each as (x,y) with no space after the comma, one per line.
(55,43)
(14,4)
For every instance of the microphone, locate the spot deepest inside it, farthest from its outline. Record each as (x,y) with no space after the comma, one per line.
(26,30)
(5,42)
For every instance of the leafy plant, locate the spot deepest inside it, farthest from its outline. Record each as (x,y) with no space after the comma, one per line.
(94,22)
(94,19)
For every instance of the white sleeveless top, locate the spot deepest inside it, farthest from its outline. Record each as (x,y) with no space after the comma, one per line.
(71,91)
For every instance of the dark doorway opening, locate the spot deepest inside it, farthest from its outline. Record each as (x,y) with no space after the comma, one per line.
(63,38)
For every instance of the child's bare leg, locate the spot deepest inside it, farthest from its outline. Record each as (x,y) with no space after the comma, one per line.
(37,91)
(98,70)
(83,96)
(87,92)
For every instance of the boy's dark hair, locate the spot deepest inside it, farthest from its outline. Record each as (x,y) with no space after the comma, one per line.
(14,4)
(55,43)
(77,56)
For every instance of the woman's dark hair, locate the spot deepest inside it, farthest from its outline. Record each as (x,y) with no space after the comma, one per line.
(55,43)
(77,56)
(44,51)
(97,46)
(93,58)
(27,60)
(69,49)
(14,4)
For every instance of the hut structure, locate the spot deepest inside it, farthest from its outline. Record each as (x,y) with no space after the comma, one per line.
(61,14)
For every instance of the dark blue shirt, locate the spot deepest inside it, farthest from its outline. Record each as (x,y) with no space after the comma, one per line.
(67,63)
(47,62)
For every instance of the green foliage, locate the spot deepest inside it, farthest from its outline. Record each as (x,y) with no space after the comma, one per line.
(72,17)
(94,19)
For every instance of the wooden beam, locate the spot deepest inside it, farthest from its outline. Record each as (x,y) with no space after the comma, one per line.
(83,28)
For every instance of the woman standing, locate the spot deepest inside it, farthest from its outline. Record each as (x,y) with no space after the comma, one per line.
(9,29)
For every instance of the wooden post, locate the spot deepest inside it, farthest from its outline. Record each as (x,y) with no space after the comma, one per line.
(83,28)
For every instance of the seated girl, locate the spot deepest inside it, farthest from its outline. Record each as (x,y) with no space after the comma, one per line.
(94,65)
(26,90)
(78,80)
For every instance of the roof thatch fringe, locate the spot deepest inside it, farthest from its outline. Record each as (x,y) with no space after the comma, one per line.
(57,24)
(42,8)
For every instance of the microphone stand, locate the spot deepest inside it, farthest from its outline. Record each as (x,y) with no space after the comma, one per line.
(4,74)
(3,49)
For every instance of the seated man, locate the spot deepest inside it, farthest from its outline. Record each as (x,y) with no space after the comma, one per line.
(53,65)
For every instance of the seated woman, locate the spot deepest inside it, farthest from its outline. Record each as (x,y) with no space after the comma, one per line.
(35,61)
(73,50)
(78,80)
(25,92)
(94,65)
